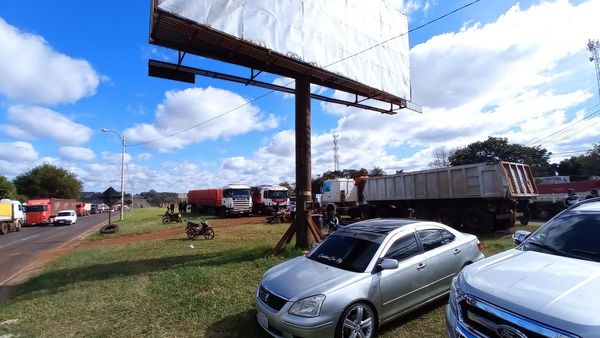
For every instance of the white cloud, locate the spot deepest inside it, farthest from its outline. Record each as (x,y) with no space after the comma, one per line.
(18,151)
(32,71)
(34,122)
(218,112)
(77,153)
(144,157)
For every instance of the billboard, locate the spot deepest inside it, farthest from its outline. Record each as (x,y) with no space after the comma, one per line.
(340,37)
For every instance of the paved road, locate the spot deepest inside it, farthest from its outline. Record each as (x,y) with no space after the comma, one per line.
(18,250)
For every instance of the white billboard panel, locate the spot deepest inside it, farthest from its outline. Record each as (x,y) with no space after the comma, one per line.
(322,33)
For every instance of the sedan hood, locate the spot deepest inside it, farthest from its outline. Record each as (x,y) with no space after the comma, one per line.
(301,277)
(541,286)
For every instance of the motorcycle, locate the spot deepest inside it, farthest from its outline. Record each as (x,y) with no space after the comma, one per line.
(172,218)
(194,230)
(280,216)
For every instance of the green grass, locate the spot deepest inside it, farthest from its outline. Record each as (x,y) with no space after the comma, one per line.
(165,288)
(143,220)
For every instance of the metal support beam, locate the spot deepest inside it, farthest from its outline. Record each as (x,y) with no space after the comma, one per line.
(303,162)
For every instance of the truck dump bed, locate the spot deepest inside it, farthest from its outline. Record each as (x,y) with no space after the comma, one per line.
(481,180)
(206,197)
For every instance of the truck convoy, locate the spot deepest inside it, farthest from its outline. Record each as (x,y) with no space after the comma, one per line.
(232,199)
(480,197)
(552,191)
(42,211)
(11,216)
(265,197)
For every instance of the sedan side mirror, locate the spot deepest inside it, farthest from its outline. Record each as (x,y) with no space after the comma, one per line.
(520,236)
(388,264)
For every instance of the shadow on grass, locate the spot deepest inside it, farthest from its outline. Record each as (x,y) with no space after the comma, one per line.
(413,316)
(52,282)
(239,325)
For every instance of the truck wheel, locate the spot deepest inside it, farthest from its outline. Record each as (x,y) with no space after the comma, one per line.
(446,216)
(505,223)
(3,228)
(477,220)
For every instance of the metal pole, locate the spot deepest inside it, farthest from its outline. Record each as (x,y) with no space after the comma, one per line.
(303,161)
(122,176)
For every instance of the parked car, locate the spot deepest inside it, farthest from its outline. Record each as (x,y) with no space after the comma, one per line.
(65,217)
(545,287)
(361,276)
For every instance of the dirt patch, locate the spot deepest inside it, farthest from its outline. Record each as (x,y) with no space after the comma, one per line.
(172,232)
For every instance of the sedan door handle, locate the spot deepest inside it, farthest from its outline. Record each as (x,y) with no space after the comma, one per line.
(457,251)
(421,266)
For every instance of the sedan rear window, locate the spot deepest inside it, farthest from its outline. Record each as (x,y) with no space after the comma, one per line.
(345,252)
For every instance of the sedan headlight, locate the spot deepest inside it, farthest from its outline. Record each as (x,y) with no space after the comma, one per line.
(308,307)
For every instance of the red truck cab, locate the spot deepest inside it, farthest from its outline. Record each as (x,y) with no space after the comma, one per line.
(38,212)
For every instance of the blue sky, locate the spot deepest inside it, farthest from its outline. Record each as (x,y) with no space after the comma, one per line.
(68,69)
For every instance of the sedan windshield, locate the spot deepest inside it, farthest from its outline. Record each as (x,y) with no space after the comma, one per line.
(345,252)
(572,235)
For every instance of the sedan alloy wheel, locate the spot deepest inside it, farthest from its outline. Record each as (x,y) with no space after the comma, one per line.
(358,321)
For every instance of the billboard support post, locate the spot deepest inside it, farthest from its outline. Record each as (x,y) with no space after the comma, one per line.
(303,161)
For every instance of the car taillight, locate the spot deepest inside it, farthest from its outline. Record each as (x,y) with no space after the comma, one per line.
(479,246)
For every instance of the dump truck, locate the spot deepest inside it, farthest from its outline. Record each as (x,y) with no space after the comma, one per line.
(475,197)
(43,210)
(265,197)
(11,216)
(232,199)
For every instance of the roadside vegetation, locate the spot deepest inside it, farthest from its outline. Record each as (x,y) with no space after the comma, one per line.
(172,287)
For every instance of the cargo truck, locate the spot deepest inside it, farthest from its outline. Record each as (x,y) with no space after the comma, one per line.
(265,197)
(82,209)
(552,193)
(475,197)
(11,216)
(232,199)
(43,210)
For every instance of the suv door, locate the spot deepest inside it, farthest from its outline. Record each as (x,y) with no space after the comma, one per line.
(406,286)
(444,258)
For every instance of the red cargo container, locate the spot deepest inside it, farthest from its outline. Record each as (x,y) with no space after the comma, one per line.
(43,210)
(206,198)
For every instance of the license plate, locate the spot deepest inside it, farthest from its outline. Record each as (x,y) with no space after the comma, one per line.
(262,320)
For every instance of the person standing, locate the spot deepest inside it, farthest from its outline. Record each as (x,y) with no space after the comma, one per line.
(593,194)
(571,198)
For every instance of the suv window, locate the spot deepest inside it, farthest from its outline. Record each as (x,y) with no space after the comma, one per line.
(403,248)
(430,239)
(573,234)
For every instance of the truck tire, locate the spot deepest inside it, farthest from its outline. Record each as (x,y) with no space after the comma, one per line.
(477,220)
(3,228)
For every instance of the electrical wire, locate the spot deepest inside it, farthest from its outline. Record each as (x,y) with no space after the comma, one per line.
(329,65)
(565,129)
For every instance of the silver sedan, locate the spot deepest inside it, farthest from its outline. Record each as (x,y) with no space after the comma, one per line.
(362,276)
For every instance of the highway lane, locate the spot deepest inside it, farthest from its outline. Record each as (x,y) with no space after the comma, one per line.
(18,250)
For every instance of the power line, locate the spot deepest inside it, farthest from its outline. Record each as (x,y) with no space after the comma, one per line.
(565,129)
(329,65)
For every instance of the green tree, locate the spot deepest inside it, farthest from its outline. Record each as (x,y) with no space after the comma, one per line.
(7,188)
(377,171)
(48,180)
(582,165)
(496,149)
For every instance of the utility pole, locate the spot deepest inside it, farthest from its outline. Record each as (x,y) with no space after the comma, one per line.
(594,48)
(336,156)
